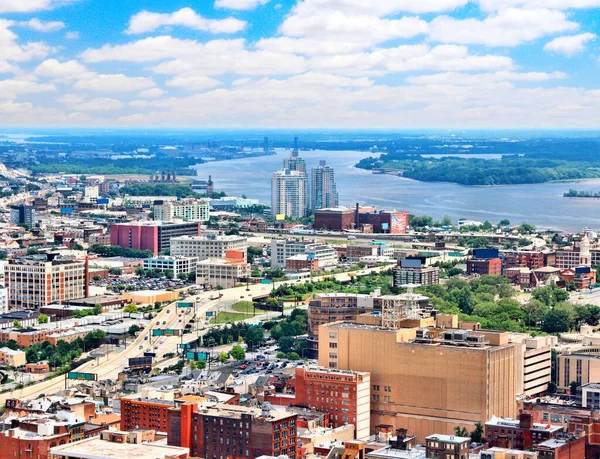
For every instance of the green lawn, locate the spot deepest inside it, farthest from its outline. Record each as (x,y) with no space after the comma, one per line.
(226,317)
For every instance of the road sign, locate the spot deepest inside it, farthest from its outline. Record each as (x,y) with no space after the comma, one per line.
(196,356)
(185,304)
(186,346)
(168,332)
(209,313)
(82,376)
(157,332)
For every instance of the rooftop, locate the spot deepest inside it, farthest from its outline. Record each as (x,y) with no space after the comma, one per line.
(448,439)
(100,449)
(236,412)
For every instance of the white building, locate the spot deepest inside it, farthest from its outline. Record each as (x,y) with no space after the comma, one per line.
(90,194)
(289,195)
(534,358)
(219,272)
(3,300)
(175,264)
(323,190)
(282,249)
(188,210)
(209,246)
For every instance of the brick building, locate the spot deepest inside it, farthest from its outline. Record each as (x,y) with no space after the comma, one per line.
(153,236)
(394,222)
(489,266)
(233,431)
(344,395)
(144,413)
(570,447)
(447,446)
(412,271)
(522,259)
(338,219)
(522,433)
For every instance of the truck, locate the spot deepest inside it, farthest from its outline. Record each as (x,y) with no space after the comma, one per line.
(215,296)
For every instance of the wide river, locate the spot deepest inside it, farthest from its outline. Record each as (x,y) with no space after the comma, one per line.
(539,204)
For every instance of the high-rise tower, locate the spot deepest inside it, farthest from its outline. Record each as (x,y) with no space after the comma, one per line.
(288,193)
(323,190)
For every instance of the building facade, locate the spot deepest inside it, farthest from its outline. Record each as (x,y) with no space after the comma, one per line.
(420,275)
(338,219)
(322,187)
(289,196)
(209,246)
(176,265)
(144,413)
(187,210)
(282,249)
(223,272)
(153,236)
(22,215)
(33,283)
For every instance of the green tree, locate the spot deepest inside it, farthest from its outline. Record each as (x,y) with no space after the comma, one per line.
(254,252)
(573,385)
(556,321)
(551,388)
(43,319)
(477,434)
(504,222)
(168,273)
(223,357)
(526,228)
(461,431)
(280,355)
(293,356)
(535,311)
(97,310)
(115,271)
(133,330)
(237,352)
(17,324)
(130,309)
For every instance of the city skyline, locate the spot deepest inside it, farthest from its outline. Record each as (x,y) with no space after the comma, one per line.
(305,64)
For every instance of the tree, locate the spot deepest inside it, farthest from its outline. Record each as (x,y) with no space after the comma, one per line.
(17,324)
(168,273)
(130,309)
(133,330)
(254,252)
(280,355)
(223,357)
(115,271)
(461,431)
(43,319)
(573,385)
(182,276)
(556,321)
(535,311)
(237,352)
(97,309)
(96,278)
(525,228)
(477,434)
(293,356)
(551,388)
(504,222)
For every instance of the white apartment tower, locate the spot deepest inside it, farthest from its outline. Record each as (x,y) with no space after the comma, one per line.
(289,193)
(323,190)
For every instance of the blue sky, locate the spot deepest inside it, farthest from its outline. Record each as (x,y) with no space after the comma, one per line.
(307,63)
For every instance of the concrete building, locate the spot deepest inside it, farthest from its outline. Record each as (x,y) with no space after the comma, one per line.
(322,187)
(577,255)
(344,395)
(22,215)
(534,358)
(282,249)
(13,358)
(289,197)
(507,453)
(187,210)
(335,219)
(582,367)
(33,282)
(389,222)
(118,445)
(357,251)
(3,300)
(412,271)
(233,431)
(522,433)
(177,265)
(153,236)
(447,446)
(590,395)
(225,272)
(209,246)
(91,194)
(427,381)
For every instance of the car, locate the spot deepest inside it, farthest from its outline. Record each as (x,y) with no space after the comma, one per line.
(158,324)
(164,322)
(140,347)
(243,367)
(145,338)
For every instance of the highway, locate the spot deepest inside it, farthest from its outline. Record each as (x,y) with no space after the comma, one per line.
(110,368)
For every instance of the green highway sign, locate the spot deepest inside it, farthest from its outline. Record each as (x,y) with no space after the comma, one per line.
(185,304)
(82,376)
(196,356)
(157,332)
(168,332)
(186,346)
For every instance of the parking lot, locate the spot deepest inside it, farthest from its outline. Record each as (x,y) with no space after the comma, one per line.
(117,284)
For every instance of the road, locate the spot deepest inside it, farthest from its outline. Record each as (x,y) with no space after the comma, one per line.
(110,368)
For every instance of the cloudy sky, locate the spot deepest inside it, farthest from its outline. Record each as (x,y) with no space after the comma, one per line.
(306,63)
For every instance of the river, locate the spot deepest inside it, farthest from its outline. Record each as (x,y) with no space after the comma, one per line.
(539,204)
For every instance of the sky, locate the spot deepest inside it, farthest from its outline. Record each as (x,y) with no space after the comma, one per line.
(346,64)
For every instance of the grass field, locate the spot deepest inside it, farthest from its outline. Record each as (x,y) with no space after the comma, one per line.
(226,317)
(243,306)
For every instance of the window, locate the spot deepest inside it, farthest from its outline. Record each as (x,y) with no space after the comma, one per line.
(376,387)
(333,345)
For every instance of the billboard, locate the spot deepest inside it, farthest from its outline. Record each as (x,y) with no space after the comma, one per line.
(410,263)
(82,376)
(102,201)
(140,362)
(280,217)
(485,253)
(66,210)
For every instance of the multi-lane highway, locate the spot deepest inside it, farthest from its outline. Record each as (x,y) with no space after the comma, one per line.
(170,315)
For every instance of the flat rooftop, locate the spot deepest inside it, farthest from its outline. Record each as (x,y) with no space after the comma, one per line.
(448,439)
(236,412)
(94,448)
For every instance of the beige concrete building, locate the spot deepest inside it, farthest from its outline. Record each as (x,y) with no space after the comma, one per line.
(534,362)
(580,367)
(210,246)
(428,381)
(11,357)
(33,283)
(187,210)
(220,271)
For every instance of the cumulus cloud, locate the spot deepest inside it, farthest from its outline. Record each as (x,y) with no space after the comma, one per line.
(570,44)
(12,88)
(13,51)
(100,104)
(151,93)
(493,5)
(147,21)
(508,27)
(42,26)
(239,4)
(194,82)
(72,35)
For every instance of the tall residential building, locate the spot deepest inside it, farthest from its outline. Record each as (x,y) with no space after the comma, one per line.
(426,380)
(289,193)
(324,194)
(209,246)
(153,236)
(22,215)
(33,283)
(188,210)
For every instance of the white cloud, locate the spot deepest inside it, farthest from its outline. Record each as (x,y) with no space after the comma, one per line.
(493,5)
(13,51)
(113,83)
(377,8)
(151,93)
(72,35)
(42,26)
(466,79)
(508,27)
(53,68)
(239,4)
(99,104)
(23,6)
(194,82)
(7,67)
(569,45)
(147,21)
(10,89)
